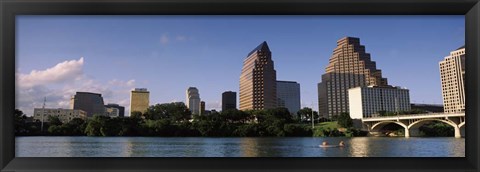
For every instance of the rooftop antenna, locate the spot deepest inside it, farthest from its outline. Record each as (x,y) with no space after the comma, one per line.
(43,109)
(313,120)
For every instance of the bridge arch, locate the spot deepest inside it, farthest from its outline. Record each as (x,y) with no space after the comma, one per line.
(379,125)
(423,121)
(414,125)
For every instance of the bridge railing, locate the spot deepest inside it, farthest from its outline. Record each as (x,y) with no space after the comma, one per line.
(411,115)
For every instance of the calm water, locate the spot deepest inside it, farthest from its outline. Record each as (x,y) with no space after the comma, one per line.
(236,147)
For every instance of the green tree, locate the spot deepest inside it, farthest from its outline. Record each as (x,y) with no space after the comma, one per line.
(136,114)
(131,126)
(111,126)
(54,120)
(272,121)
(297,130)
(344,120)
(236,116)
(75,127)
(160,127)
(247,130)
(20,122)
(95,126)
(306,114)
(175,112)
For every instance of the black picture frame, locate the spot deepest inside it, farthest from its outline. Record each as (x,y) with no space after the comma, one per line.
(10,8)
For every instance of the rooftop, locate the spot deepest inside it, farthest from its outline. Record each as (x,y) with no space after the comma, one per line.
(262,46)
(140,90)
(288,82)
(88,93)
(423,104)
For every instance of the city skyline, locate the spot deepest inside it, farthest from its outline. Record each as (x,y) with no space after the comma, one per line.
(77,57)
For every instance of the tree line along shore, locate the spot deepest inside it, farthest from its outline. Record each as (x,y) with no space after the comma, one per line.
(175,120)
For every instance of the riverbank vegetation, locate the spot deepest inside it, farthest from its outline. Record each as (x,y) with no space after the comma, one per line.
(175,120)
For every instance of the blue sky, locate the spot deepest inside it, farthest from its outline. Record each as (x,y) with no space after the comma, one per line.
(58,55)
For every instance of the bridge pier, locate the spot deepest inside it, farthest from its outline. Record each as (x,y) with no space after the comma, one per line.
(407,133)
(414,132)
(458,133)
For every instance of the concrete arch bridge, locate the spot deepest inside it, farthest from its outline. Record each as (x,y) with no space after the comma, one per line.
(412,122)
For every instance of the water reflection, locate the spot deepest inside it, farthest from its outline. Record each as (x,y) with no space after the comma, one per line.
(359,147)
(236,147)
(249,147)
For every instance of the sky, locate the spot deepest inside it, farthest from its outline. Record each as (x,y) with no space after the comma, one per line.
(59,55)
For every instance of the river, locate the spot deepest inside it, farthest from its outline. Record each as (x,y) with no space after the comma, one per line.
(41,146)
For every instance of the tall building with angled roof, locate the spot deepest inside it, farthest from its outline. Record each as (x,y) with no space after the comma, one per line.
(349,67)
(452,74)
(258,80)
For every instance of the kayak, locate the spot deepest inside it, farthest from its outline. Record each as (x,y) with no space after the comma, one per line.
(329,146)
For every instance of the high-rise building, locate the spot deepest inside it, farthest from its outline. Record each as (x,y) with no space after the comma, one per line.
(452,74)
(349,67)
(229,100)
(202,108)
(92,103)
(258,80)
(121,109)
(370,101)
(139,100)
(65,115)
(288,95)
(193,100)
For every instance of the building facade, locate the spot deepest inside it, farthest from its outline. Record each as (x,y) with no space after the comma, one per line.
(368,101)
(65,115)
(258,80)
(452,74)
(350,66)
(92,103)
(229,100)
(112,112)
(139,100)
(193,100)
(288,95)
(202,108)
(121,109)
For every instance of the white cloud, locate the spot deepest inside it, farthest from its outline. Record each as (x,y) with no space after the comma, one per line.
(131,83)
(217,105)
(59,73)
(61,82)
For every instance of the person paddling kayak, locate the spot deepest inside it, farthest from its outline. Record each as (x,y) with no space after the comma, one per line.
(326,145)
